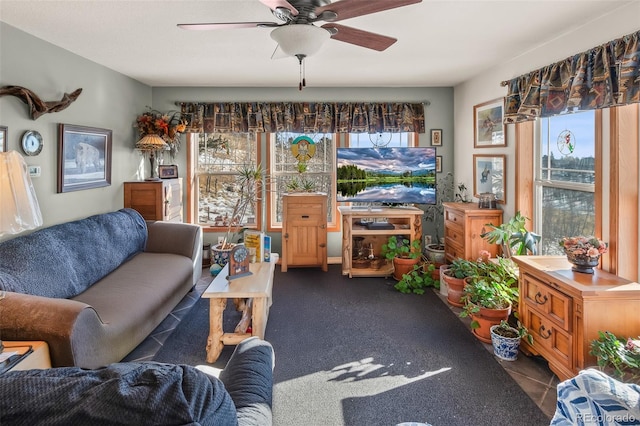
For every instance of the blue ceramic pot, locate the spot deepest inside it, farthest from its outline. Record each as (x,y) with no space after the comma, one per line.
(505,348)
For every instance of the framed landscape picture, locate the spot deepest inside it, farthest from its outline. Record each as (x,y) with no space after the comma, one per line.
(488,125)
(488,176)
(84,157)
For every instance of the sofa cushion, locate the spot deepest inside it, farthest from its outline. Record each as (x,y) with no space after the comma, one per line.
(592,397)
(64,260)
(122,393)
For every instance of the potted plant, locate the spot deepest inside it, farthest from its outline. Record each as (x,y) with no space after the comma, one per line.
(513,237)
(248,181)
(618,357)
(403,253)
(454,277)
(506,339)
(489,296)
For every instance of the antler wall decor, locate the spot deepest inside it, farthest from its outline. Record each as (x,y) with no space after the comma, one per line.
(37,105)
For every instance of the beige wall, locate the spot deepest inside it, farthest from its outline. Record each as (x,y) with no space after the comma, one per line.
(486,86)
(108,100)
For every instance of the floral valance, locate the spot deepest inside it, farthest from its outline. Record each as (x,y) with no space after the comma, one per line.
(303,117)
(605,76)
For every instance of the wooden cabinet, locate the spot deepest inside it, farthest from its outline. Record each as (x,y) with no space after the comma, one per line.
(155,200)
(402,221)
(564,310)
(463,225)
(304,230)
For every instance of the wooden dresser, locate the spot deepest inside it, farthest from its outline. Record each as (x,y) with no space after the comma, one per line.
(304,230)
(564,310)
(463,225)
(155,200)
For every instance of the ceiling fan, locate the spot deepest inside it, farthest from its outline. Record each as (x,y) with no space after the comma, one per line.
(297,35)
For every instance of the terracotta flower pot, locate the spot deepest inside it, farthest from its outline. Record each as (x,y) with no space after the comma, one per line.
(455,286)
(487,318)
(403,265)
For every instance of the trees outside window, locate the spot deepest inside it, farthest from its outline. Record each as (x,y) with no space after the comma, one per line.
(565,178)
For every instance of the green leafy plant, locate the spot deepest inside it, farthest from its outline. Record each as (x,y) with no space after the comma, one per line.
(507,330)
(513,236)
(400,247)
(462,268)
(621,356)
(494,288)
(419,278)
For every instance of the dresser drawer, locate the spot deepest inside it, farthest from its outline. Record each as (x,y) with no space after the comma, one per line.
(549,340)
(454,234)
(555,305)
(455,217)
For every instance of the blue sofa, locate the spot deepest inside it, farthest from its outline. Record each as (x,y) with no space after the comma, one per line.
(94,288)
(144,393)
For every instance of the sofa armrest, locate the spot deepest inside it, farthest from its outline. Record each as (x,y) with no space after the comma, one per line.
(184,239)
(59,322)
(248,377)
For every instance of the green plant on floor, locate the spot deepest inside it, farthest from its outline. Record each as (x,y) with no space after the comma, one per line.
(400,247)
(618,355)
(462,268)
(495,288)
(513,237)
(419,278)
(505,329)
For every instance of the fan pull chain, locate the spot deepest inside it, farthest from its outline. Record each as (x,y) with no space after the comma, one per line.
(303,81)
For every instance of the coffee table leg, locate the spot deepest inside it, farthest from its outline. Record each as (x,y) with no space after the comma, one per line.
(214,342)
(259,316)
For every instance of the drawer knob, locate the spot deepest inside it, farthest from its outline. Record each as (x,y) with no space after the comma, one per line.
(540,299)
(543,332)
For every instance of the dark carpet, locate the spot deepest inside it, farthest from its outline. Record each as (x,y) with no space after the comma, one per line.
(357,352)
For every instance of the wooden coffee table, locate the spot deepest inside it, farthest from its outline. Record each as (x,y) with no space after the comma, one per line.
(252,295)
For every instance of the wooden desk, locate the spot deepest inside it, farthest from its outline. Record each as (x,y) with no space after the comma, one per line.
(37,359)
(256,287)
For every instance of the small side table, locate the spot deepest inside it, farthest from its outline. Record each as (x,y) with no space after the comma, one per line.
(37,359)
(257,287)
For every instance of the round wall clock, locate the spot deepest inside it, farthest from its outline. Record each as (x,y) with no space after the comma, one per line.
(32,142)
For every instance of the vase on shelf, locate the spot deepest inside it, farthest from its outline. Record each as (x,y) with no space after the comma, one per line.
(583,263)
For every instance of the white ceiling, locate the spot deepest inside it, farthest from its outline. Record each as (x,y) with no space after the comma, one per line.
(440,43)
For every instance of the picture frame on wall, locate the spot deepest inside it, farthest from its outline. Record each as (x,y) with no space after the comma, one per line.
(168,171)
(84,157)
(488,124)
(3,139)
(436,137)
(438,163)
(488,176)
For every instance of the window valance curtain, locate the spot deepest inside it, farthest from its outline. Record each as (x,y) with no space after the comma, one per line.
(605,76)
(303,117)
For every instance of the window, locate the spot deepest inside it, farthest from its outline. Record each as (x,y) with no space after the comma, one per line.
(314,168)
(565,178)
(365,140)
(218,159)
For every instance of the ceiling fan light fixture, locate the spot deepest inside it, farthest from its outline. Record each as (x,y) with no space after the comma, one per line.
(300,39)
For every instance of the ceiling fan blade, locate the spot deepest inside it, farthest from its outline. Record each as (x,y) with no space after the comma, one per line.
(226,25)
(346,9)
(273,4)
(360,38)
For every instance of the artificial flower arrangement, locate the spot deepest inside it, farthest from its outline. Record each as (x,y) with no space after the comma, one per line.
(167,126)
(584,246)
